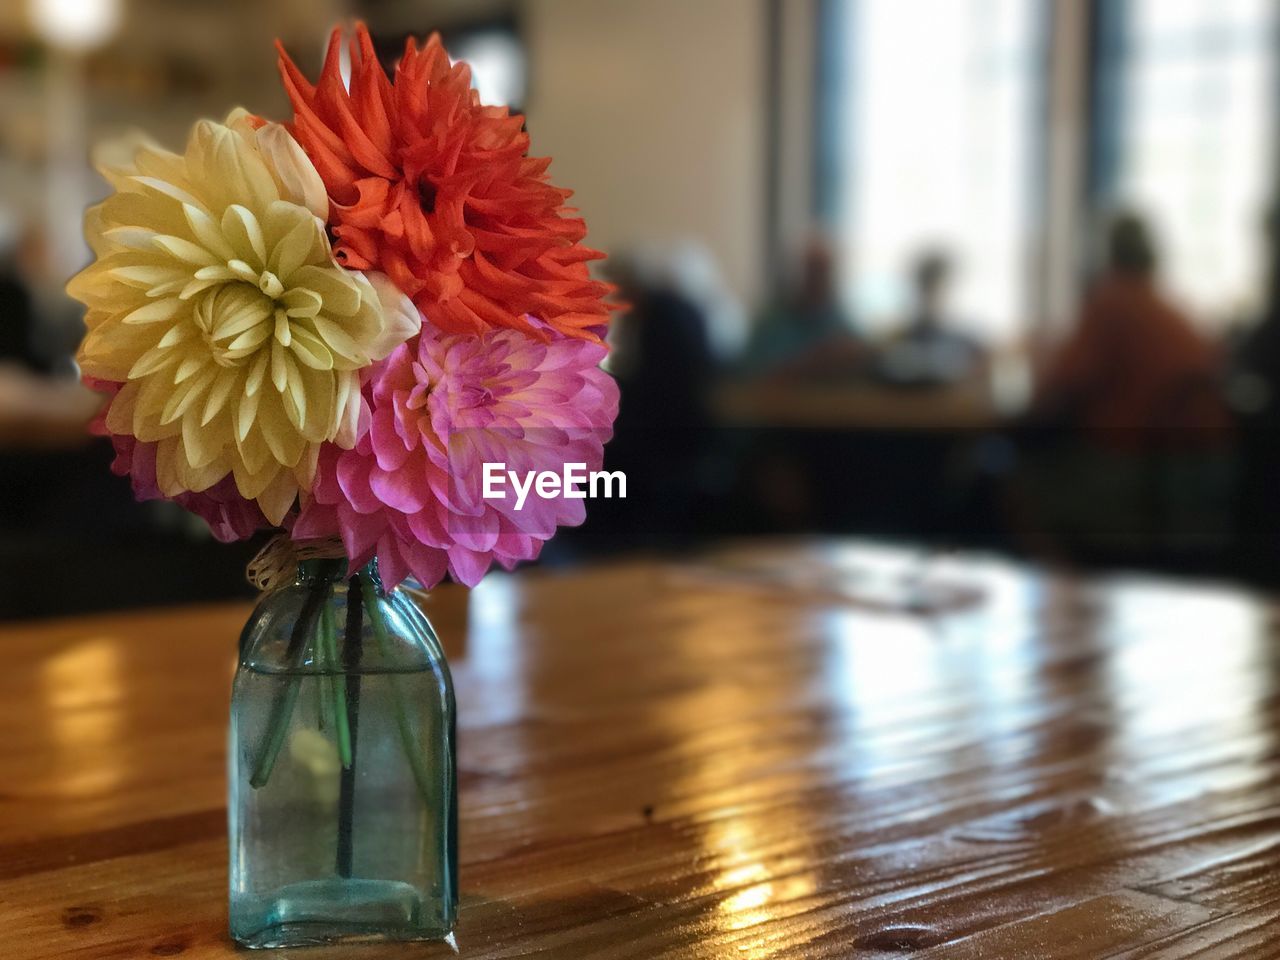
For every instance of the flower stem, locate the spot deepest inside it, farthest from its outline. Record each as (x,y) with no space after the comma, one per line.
(352,651)
(337,682)
(285,699)
(421,775)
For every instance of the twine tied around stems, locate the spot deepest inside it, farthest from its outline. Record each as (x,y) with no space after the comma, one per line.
(276,564)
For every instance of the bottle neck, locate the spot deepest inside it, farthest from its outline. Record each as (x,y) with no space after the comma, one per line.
(333,570)
(329,620)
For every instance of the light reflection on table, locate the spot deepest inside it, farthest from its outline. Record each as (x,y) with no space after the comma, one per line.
(822,750)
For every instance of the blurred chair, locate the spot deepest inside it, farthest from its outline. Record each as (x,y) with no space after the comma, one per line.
(1254,394)
(663,363)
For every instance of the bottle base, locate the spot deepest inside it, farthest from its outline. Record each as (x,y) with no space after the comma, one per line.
(336,911)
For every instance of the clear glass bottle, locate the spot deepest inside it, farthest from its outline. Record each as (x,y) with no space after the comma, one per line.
(343,797)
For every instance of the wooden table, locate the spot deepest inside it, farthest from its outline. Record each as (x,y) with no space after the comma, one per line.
(858,406)
(815,751)
(41,413)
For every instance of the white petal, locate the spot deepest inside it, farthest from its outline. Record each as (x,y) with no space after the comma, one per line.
(294,173)
(276,500)
(237,313)
(185,250)
(246,415)
(295,247)
(166,188)
(401,319)
(189,366)
(348,404)
(218,395)
(154,359)
(256,374)
(310,350)
(207,233)
(283,334)
(175,334)
(279,372)
(339,341)
(249,341)
(157,311)
(244,233)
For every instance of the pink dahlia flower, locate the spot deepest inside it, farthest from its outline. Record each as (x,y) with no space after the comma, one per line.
(443,405)
(230,516)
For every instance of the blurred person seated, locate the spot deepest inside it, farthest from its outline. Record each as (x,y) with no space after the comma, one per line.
(662,359)
(1125,447)
(807,334)
(1134,372)
(38,411)
(691,270)
(18,316)
(929,350)
(661,355)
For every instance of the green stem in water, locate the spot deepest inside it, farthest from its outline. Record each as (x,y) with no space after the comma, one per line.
(421,775)
(323,707)
(281,712)
(352,663)
(337,684)
(285,701)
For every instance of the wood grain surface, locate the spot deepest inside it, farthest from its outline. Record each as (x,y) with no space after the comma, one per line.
(813,750)
(954,408)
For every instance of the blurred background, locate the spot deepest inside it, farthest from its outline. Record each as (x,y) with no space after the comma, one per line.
(996,274)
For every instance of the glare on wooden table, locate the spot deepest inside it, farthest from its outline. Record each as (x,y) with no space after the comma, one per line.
(814,751)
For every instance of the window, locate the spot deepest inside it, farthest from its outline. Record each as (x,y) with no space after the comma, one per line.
(939,100)
(1193,143)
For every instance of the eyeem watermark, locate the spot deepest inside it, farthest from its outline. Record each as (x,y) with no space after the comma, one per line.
(576,483)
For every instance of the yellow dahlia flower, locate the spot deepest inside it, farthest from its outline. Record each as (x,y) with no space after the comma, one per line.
(215,300)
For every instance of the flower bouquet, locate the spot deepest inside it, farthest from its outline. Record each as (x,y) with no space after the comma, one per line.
(329,326)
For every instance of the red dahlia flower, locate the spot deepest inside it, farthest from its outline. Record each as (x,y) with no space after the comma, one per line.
(439,193)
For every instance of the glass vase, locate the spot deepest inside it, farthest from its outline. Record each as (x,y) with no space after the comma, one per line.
(343,800)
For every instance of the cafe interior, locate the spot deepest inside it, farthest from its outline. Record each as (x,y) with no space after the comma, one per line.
(859,260)
(950,326)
